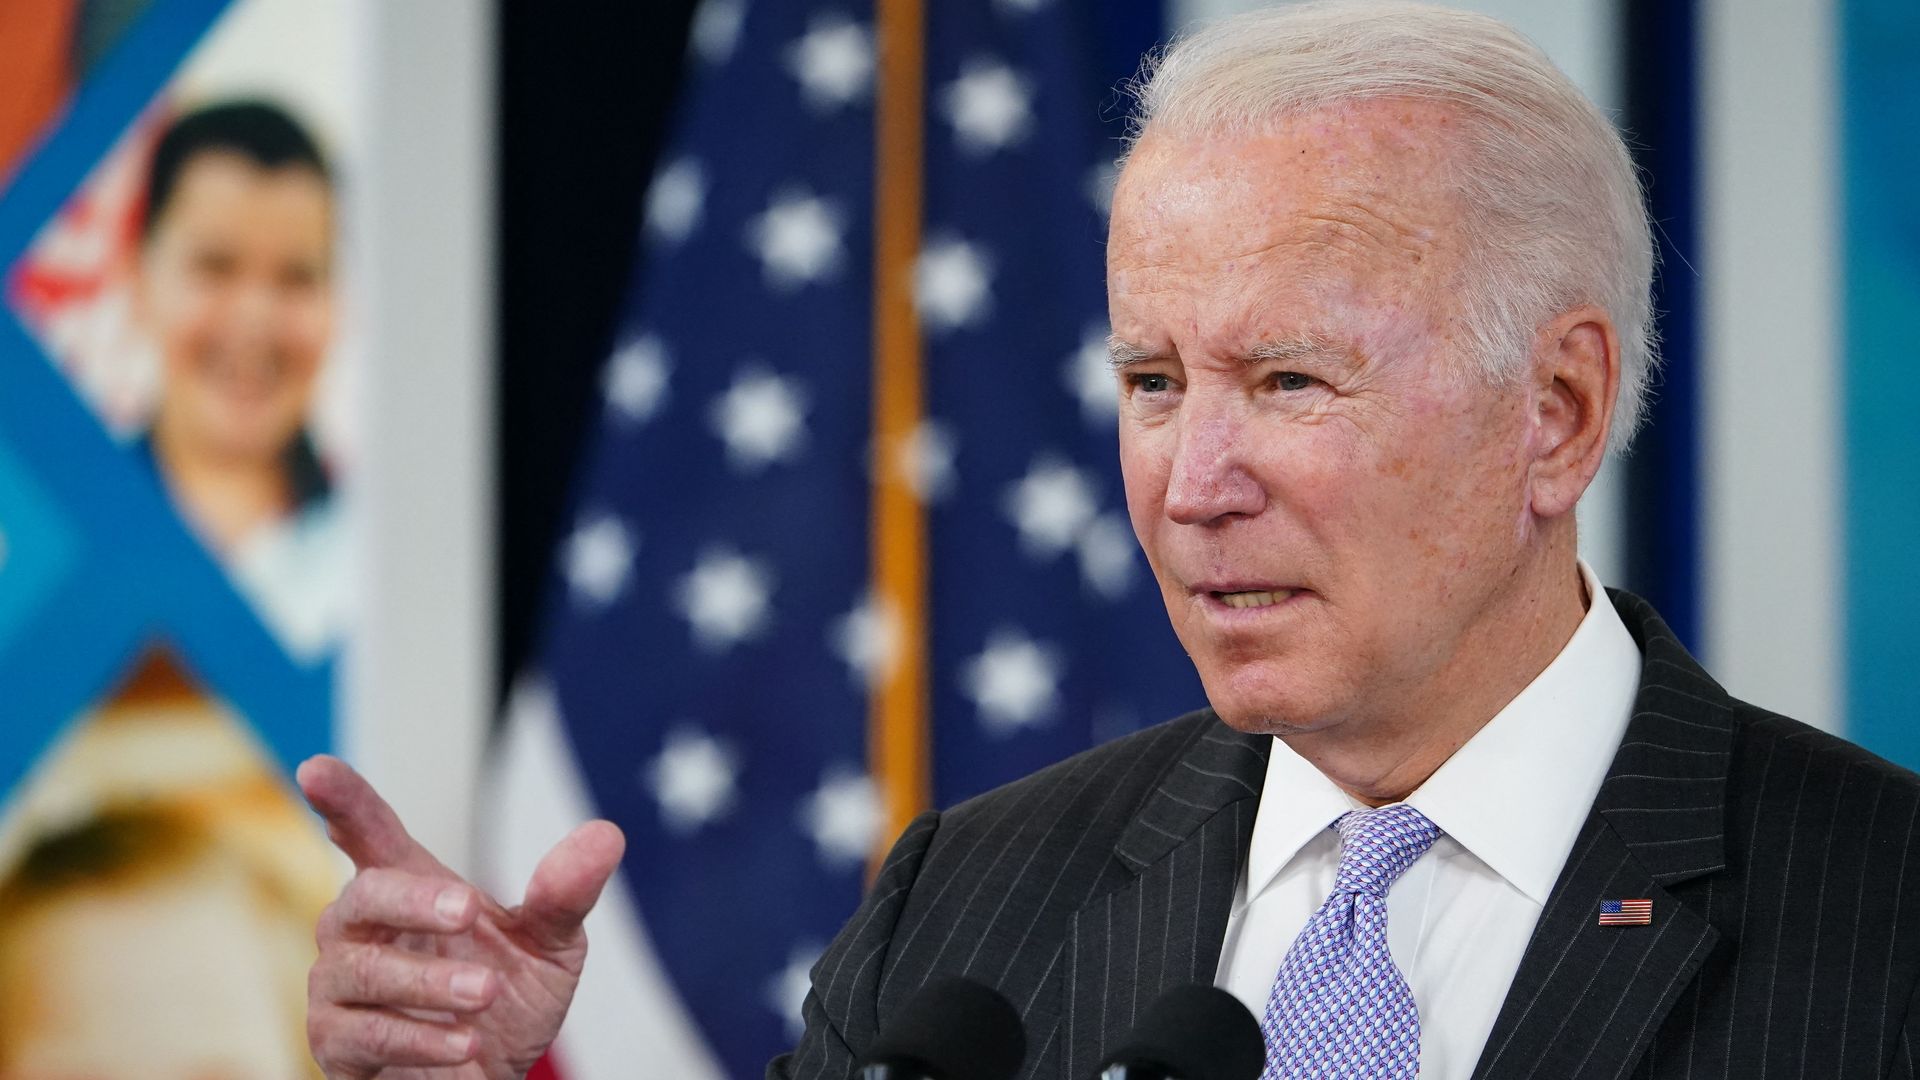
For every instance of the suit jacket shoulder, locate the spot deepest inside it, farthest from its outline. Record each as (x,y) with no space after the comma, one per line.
(999,889)
(1080,806)
(1772,751)
(1818,911)
(1785,937)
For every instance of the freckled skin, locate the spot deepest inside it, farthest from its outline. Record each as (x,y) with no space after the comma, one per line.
(1425,516)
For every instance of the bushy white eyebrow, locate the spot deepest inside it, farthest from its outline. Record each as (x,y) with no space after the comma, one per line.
(1124,354)
(1309,347)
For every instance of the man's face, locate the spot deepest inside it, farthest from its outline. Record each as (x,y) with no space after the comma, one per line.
(1332,508)
(233,285)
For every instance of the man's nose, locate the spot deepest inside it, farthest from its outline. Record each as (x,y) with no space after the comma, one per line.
(1209,480)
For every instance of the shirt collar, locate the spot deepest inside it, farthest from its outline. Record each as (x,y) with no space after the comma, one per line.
(1547,751)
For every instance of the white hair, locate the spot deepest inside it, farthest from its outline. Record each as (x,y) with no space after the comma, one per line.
(1552,209)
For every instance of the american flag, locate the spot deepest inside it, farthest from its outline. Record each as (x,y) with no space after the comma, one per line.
(733,669)
(1626,912)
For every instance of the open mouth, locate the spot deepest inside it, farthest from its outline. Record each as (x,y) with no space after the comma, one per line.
(1251,598)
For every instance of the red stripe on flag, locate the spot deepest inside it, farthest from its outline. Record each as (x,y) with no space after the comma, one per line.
(545,1069)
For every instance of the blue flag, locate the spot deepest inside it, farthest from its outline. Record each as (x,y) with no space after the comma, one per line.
(714,636)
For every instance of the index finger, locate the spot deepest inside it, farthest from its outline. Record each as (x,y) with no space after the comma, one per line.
(359,821)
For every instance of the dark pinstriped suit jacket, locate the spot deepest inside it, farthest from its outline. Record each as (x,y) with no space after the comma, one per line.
(1786,904)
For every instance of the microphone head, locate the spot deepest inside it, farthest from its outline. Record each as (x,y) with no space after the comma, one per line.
(952,1029)
(1194,1033)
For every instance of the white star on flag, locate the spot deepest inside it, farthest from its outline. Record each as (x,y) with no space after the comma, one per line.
(598,559)
(693,779)
(924,460)
(760,418)
(787,990)
(797,239)
(988,106)
(950,284)
(867,640)
(1088,376)
(842,816)
(1021,7)
(725,599)
(635,382)
(716,29)
(1051,506)
(1014,682)
(675,200)
(833,62)
(1106,551)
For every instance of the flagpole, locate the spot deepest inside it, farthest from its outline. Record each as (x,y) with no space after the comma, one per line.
(898,739)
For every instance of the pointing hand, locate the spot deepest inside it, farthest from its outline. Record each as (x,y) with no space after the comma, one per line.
(423,975)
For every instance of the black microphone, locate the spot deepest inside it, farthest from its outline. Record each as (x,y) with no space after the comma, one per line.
(1190,1033)
(950,1029)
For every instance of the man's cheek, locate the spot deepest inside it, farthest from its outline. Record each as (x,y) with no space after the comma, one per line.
(1143,475)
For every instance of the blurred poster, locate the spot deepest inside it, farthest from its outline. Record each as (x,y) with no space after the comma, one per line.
(156,916)
(175,574)
(187,290)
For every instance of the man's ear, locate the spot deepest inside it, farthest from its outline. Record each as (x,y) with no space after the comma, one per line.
(1576,379)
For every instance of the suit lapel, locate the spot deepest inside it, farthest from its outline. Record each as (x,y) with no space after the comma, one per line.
(1161,923)
(1587,998)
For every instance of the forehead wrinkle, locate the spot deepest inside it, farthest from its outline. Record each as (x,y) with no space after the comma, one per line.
(1360,224)
(1379,238)
(1385,230)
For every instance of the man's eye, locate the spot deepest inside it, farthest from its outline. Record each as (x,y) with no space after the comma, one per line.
(1291,381)
(1152,384)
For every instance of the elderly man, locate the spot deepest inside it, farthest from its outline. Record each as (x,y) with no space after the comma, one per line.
(1378,279)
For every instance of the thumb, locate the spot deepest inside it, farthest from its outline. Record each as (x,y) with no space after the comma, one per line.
(567,884)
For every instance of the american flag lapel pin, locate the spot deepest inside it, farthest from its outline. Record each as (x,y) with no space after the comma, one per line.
(1626,912)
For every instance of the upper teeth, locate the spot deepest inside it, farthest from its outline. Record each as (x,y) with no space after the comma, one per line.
(1254,599)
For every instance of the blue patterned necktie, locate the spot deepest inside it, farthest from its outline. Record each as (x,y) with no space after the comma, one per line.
(1340,1009)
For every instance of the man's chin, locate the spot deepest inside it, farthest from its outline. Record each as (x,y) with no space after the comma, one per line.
(1269,697)
(1269,717)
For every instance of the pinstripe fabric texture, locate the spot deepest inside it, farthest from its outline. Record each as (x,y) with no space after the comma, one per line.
(1785,939)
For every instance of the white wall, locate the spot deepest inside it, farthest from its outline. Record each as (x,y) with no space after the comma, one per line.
(419,679)
(1772,473)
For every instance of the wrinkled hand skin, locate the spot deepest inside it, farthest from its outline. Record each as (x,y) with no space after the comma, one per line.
(422,976)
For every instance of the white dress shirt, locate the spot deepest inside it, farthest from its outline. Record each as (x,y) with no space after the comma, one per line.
(1510,803)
